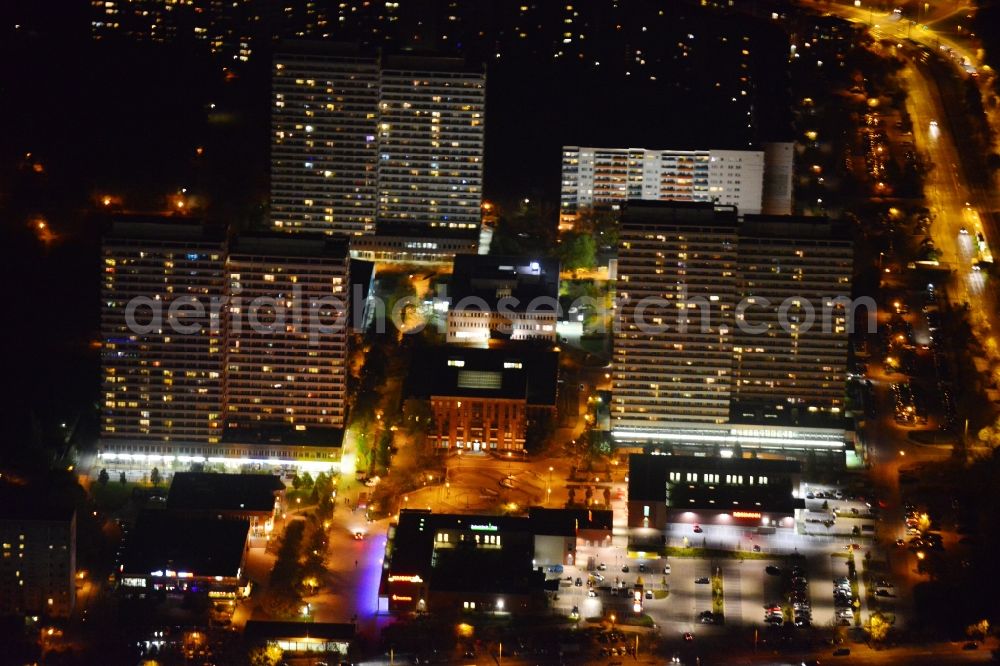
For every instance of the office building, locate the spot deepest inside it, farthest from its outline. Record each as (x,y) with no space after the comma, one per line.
(359,141)
(37,553)
(286,336)
(676,301)
(607,178)
(486,399)
(323,150)
(161,386)
(749,492)
(495,298)
(790,351)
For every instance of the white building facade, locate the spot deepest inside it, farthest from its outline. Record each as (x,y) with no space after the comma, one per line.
(608,177)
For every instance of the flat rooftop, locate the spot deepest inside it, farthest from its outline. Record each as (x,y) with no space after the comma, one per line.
(674,213)
(490,278)
(566,522)
(31,502)
(775,497)
(160,540)
(512,373)
(265,630)
(649,474)
(253,434)
(290,246)
(203,491)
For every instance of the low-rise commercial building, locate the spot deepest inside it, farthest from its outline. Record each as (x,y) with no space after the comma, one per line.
(447,562)
(413,246)
(301,637)
(496,298)
(481,563)
(166,552)
(558,532)
(749,492)
(486,399)
(251,497)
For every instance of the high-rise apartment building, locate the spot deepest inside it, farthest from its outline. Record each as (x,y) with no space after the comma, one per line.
(676,301)
(730,330)
(790,354)
(286,334)
(323,134)
(222,351)
(160,385)
(430,143)
(358,140)
(607,178)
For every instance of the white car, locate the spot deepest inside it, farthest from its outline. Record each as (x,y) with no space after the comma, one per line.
(845,614)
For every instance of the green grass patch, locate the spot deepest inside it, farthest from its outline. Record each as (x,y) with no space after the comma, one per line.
(113,496)
(299,498)
(718,603)
(852,574)
(677,551)
(661,594)
(636,621)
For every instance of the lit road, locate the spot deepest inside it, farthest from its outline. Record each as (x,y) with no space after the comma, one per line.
(931,29)
(959,204)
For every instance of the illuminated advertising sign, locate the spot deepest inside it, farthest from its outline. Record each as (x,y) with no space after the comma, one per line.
(405,579)
(398,597)
(133,582)
(746,514)
(489,527)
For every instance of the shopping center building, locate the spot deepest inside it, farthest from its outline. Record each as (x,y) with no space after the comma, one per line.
(755,493)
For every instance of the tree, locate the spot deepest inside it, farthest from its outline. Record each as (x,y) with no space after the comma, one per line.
(296,482)
(878,626)
(307,480)
(103,477)
(539,432)
(577,251)
(122,478)
(978,630)
(265,656)
(923,522)
(154,476)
